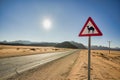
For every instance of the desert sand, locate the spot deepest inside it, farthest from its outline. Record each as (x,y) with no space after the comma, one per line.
(104,66)
(10,51)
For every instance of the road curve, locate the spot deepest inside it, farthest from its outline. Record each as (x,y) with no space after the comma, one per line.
(15,65)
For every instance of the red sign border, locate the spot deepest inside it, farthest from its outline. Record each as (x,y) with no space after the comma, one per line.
(98,30)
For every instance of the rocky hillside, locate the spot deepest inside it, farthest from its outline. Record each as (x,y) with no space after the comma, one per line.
(68,44)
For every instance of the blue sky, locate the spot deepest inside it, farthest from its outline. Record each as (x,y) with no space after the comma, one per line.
(22,20)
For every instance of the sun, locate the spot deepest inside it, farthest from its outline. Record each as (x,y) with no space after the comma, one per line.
(47,24)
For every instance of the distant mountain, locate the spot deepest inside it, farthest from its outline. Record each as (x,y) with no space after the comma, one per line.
(99,47)
(103,48)
(72,44)
(43,44)
(78,45)
(66,44)
(21,42)
(17,42)
(27,43)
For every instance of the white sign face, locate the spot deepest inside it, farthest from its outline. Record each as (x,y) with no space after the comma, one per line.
(90,29)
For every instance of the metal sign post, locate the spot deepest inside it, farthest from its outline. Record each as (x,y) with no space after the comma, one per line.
(90,29)
(89,57)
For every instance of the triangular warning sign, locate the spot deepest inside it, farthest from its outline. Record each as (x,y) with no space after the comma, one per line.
(90,29)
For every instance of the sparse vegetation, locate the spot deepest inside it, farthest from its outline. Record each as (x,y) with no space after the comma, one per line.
(18,48)
(45,49)
(55,49)
(1,48)
(33,49)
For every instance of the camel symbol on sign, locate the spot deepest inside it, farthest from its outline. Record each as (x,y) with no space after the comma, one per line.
(90,29)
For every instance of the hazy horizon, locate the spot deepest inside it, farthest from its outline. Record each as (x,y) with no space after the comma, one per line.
(58,42)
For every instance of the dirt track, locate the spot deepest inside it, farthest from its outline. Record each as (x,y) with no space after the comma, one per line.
(74,67)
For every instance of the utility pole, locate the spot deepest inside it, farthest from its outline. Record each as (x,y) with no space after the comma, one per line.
(109,46)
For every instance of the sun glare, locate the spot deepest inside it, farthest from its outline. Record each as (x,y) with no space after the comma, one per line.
(47,24)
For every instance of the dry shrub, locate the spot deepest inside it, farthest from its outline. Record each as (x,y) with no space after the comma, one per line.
(33,49)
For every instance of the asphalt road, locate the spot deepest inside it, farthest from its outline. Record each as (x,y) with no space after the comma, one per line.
(15,65)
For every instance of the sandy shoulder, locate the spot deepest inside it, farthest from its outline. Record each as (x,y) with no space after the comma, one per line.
(104,66)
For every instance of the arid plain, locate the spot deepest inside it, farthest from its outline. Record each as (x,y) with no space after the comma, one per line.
(104,66)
